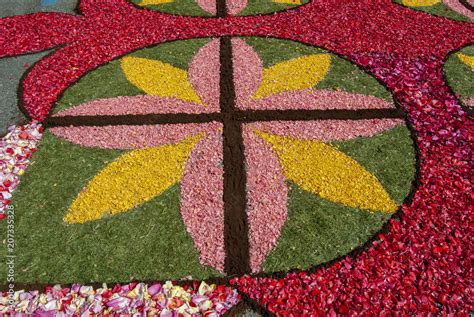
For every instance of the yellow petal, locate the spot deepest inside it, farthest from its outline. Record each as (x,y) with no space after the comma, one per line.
(323,170)
(288,1)
(420,3)
(466,59)
(159,79)
(296,74)
(129,181)
(151,2)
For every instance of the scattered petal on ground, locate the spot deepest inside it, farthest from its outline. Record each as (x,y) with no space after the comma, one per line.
(129,299)
(16,149)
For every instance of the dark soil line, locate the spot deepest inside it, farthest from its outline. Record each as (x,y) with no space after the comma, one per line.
(466,4)
(146,119)
(240,116)
(221,8)
(235,178)
(307,115)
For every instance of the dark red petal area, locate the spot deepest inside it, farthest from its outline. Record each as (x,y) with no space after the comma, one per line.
(112,28)
(36,32)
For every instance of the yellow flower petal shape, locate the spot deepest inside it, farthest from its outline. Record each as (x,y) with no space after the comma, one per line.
(296,74)
(159,79)
(129,181)
(420,3)
(151,2)
(288,1)
(325,171)
(466,59)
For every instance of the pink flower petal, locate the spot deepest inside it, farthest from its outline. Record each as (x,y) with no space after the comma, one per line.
(266,198)
(459,8)
(202,206)
(128,137)
(327,130)
(134,105)
(248,70)
(310,99)
(204,74)
(469,102)
(233,6)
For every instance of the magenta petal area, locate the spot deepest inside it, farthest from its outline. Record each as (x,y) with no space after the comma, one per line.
(202,205)
(204,74)
(266,198)
(127,137)
(327,130)
(233,6)
(133,105)
(248,71)
(312,99)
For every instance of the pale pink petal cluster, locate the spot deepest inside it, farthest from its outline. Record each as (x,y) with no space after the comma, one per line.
(135,105)
(128,137)
(202,207)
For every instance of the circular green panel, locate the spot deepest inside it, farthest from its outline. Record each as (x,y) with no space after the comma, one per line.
(324,215)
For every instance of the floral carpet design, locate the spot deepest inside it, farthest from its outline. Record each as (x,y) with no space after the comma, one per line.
(302,158)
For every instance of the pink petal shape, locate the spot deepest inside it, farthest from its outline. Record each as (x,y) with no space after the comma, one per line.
(202,206)
(459,8)
(327,130)
(127,137)
(266,198)
(204,74)
(248,71)
(134,105)
(310,99)
(233,6)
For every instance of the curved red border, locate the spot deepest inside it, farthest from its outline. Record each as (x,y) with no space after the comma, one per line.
(422,264)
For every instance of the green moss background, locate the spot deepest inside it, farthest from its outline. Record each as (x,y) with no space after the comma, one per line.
(109,80)
(460,77)
(342,74)
(318,230)
(151,242)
